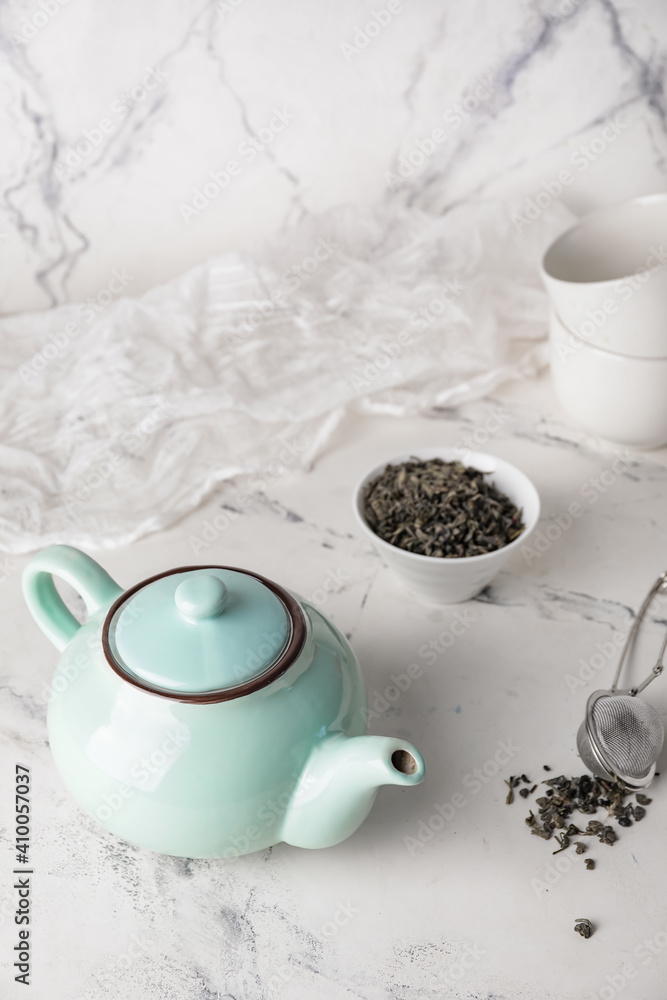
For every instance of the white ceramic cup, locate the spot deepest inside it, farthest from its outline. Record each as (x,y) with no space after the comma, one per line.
(607,277)
(619,398)
(449,581)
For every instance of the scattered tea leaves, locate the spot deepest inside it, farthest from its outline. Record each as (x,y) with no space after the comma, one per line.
(515,780)
(607,835)
(584,927)
(564,842)
(442,509)
(585,795)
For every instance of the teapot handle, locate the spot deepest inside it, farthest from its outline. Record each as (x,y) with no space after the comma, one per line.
(46,606)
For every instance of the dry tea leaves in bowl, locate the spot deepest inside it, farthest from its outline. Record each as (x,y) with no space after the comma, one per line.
(443,509)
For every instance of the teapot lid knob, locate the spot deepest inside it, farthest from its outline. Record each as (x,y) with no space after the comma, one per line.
(201,595)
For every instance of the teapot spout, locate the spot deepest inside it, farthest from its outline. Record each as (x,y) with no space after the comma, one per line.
(339,783)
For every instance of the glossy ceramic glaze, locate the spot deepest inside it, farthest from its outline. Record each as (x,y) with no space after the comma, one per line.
(619,398)
(451,581)
(607,277)
(287,761)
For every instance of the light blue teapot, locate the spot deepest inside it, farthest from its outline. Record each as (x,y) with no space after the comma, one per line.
(207,712)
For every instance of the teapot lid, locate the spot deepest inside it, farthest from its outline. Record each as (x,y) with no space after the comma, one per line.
(203,633)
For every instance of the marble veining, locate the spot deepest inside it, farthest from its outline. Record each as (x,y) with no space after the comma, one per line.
(70,205)
(183,84)
(373,919)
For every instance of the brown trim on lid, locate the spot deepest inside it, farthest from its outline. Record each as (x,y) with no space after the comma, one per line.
(294,645)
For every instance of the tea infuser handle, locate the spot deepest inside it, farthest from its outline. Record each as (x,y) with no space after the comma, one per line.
(660,584)
(657,670)
(46,606)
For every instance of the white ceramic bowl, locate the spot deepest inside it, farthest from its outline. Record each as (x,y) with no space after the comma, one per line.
(450,581)
(611,395)
(607,277)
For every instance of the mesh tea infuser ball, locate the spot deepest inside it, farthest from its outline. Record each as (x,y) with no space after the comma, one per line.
(622,736)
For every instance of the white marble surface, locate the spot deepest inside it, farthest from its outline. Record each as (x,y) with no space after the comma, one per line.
(114,113)
(458,917)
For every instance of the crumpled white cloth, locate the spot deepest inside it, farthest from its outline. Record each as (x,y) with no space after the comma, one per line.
(116,425)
